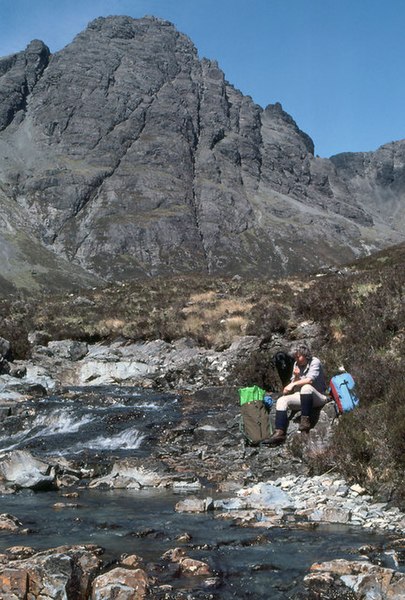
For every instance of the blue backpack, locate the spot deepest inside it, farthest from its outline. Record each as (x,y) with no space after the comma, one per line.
(342,392)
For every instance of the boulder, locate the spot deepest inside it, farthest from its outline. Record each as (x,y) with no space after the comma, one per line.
(21,470)
(120,584)
(130,475)
(361,579)
(68,349)
(64,572)
(11,524)
(194,505)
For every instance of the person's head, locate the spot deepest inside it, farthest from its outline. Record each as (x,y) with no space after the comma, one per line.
(302,355)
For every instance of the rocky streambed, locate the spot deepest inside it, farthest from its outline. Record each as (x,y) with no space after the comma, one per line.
(118,486)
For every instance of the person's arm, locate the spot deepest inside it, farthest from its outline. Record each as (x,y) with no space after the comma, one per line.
(296,383)
(295,380)
(312,374)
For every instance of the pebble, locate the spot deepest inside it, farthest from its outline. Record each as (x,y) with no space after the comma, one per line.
(326,496)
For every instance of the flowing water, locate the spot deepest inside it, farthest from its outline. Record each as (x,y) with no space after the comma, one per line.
(102,424)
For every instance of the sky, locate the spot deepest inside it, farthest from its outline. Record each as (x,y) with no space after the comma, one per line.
(336,66)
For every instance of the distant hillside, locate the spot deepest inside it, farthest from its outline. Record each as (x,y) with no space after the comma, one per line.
(126,156)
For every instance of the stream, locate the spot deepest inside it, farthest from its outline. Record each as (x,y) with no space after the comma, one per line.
(99,425)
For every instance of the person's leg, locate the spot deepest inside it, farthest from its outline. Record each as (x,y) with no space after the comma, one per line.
(310,398)
(281,421)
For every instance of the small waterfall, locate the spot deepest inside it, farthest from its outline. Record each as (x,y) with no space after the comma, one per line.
(129,439)
(111,418)
(57,422)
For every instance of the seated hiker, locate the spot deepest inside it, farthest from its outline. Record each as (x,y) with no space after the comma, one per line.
(305,392)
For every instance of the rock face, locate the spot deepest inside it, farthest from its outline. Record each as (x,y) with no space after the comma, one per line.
(126,146)
(64,572)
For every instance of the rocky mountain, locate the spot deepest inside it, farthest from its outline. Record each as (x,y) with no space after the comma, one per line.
(125,155)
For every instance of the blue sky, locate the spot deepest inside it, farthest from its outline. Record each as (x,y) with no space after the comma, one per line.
(336,66)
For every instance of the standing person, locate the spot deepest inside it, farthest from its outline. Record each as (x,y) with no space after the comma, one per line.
(304,392)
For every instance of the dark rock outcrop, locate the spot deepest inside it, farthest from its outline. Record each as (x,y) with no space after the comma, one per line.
(125,155)
(19,73)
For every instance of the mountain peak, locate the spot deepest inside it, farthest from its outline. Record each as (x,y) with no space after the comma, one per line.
(124,156)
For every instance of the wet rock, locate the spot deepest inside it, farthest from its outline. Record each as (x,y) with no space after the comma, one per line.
(66,480)
(397,547)
(174,554)
(11,524)
(129,475)
(187,565)
(133,560)
(21,470)
(61,505)
(195,505)
(211,583)
(17,370)
(265,495)
(19,552)
(361,579)
(192,566)
(184,537)
(57,573)
(185,486)
(120,583)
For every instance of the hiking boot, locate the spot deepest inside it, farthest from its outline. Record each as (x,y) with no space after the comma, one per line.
(278,437)
(305,424)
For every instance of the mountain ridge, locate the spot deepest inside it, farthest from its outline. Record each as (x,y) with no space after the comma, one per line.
(124,155)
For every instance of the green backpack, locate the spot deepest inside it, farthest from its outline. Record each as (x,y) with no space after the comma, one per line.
(255,423)
(249,394)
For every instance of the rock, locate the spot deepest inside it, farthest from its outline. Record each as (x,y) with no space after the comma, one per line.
(330,515)
(187,565)
(17,370)
(192,566)
(120,583)
(19,552)
(194,505)
(20,72)
(132,561)
(4,366)
(265,495)
(357,489)
(361,578)
(21,470)
(126,475)
(57,573)
(5,347)
(10,523)
(69,349)
(38,338)
(174,554)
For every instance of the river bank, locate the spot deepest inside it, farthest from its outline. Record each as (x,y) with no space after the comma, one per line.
(66,429)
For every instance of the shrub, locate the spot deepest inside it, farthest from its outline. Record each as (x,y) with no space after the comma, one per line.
(257,370)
